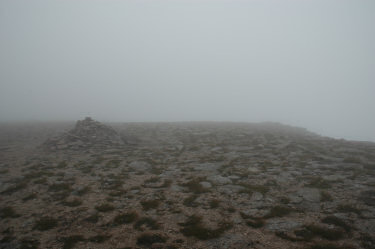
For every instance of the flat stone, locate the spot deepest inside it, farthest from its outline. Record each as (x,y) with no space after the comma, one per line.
(309,194)
(253,170)
(278,224)
(229,189)
(140,165)
(207,167)
(256,196)
(206,184)
(234,177)
(219,180)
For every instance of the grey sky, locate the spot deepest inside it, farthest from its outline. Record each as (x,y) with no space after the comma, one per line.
(300,62)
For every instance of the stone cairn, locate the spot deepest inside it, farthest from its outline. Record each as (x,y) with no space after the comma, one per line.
(87,133)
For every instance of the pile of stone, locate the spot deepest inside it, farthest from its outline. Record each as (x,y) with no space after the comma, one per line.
(87,133)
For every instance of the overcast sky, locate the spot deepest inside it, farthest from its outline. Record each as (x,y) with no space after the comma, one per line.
(309,63)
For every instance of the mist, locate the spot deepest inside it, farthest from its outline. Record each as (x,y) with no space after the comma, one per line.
(303,63)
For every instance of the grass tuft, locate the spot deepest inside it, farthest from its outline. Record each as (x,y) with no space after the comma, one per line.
(215,203)
(318,182)
(325,196)
(100,238)
(29,243)
(93,218)
(255,222)
(72,203)
(329,246)
(347,208)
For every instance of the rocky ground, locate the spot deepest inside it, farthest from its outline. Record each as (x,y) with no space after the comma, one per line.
(183,185)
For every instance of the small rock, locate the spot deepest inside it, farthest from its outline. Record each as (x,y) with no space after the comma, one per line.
(140,166)
(219,180)
(206,184)
(282,224)
(256,196)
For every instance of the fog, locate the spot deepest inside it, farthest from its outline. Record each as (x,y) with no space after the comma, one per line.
(299,62)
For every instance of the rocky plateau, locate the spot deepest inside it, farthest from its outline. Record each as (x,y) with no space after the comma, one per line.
(183,185)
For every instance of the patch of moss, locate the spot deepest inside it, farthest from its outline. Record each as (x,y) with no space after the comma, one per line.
(146,222)
(62,165)
(167,183)
(4,171)
(333,220)
(367,241)
(368,197)
(45,223)
(113,184)
(30,197)
(251,221)
(152,179)
(100,238)
(125,218)
(37,174)
(352,160)
(8,212)
(250,188)
(286,236)
(7,239)
(195,186)
(150,204)
(231,209)
(284,200)
(70,241)
(194,227)
(105,207)
(147,239)
(117,193)
(255,223)
(304,234)
(56,187)
(325,232)
(40,181)
(83,191)
(278,211)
